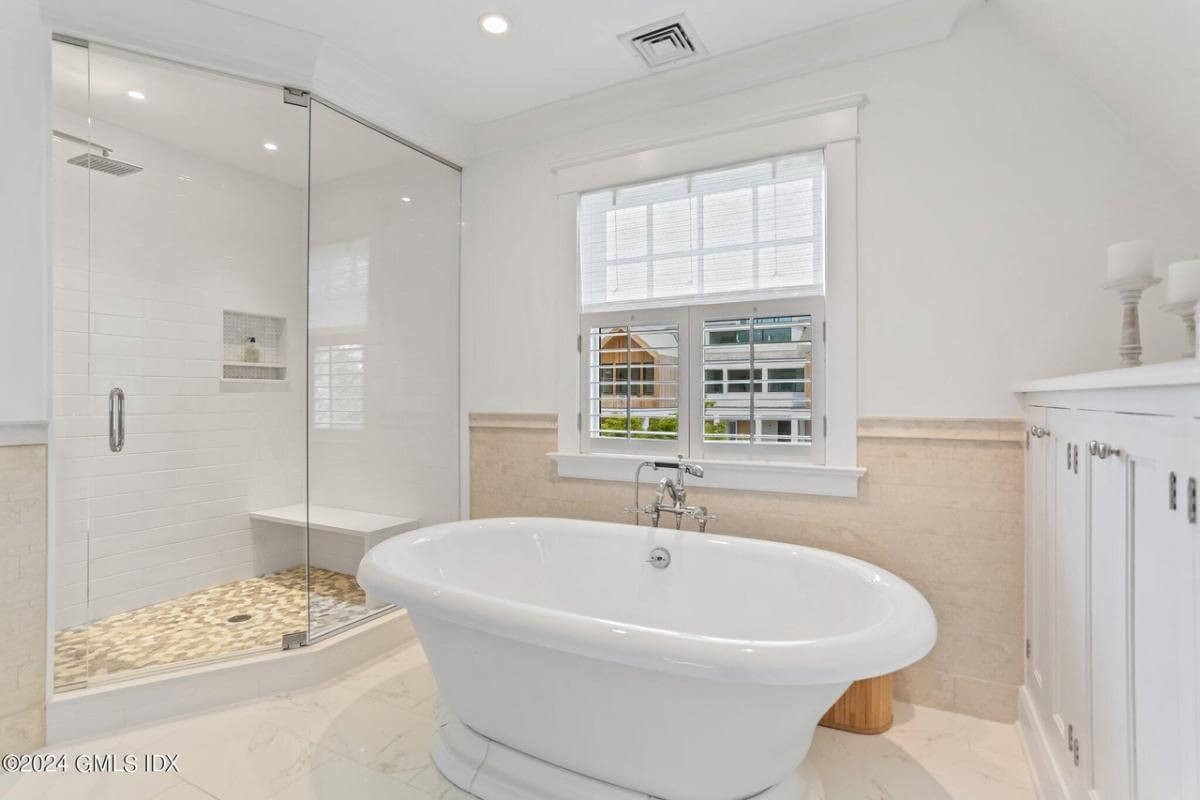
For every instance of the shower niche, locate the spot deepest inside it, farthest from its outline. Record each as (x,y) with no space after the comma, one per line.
(254,347)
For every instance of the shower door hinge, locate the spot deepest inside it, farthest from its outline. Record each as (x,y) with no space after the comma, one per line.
(292,641)
(1191,500)
(578,420)
(295,97)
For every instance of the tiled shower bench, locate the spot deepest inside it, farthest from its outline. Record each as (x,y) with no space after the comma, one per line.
(343,535)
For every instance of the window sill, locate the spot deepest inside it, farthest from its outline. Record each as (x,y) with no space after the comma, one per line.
(757,476)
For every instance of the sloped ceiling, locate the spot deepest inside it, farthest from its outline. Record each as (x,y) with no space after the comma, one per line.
(1140,57)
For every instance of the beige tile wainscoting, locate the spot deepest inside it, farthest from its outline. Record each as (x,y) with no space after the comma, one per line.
(940,505)
(23,599)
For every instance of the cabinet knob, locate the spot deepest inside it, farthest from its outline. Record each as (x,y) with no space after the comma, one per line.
(1104,450)
(1093,447)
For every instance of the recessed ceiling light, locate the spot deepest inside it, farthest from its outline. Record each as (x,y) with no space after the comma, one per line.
(495,24)
(270,146)
(136,95)
(405,199)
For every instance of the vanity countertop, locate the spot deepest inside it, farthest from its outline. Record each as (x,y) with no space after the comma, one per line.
(1170,373)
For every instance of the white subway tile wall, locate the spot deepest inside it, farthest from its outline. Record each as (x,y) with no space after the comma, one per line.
(398,225)
(169,513)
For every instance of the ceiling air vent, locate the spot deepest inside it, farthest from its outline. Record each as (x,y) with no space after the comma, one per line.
(668,42)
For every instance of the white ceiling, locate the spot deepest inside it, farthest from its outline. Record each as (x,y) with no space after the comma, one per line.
(1142,58)
(556,48)
(215,116)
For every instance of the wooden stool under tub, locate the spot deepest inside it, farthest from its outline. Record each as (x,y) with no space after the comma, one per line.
(866,707)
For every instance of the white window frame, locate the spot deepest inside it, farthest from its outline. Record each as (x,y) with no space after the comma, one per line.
(830,126)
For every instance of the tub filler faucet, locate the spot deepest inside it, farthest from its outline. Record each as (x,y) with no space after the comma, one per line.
(672,488)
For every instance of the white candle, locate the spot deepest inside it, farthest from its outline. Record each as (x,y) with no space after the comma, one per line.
(1183,281)
(1131,260)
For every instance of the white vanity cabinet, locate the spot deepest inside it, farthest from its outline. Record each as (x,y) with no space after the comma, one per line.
(1112,605)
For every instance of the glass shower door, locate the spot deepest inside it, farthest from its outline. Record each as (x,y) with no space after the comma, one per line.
(193,546)
(383,420)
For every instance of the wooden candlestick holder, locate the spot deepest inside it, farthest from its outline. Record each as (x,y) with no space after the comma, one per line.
(1131,290)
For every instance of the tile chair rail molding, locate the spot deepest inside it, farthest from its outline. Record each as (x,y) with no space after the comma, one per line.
(935,491)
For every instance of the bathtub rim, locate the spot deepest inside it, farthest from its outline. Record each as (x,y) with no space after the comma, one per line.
(904,635)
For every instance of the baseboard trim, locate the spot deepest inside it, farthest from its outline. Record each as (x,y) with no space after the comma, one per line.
(1048,782)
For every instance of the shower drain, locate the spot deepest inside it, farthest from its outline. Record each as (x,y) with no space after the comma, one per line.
(239,618)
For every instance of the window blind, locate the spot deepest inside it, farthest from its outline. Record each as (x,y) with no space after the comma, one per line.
(758,379)
(339,396)
(633,381)
(753,231)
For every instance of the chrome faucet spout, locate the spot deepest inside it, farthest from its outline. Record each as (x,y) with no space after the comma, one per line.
(671,495)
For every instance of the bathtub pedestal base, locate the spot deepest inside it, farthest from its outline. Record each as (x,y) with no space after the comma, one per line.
(490,770)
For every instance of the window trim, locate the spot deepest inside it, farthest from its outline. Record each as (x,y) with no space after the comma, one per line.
(835,129)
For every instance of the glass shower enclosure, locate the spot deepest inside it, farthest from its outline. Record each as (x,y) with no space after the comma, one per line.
(256,378)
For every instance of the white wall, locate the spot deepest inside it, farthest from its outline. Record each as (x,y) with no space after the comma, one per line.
(991,182)
(24,306)
(169,512)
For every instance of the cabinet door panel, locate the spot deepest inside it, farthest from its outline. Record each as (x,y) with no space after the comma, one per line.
(1069,589)
(1165,618)
(1039,561)
(1106,748)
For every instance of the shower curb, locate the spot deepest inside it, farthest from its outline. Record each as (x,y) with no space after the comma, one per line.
(105,709)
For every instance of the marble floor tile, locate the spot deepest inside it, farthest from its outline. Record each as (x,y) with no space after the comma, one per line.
(343,778)
(368,734)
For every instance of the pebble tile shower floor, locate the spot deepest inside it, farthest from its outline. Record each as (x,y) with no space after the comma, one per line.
(197,625)
(367,734)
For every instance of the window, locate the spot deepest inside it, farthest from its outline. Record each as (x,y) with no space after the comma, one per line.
(751,231)
(777,410)
(717,274)
(633,382)
(339,398)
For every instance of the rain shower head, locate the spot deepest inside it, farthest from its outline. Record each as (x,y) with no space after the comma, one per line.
(101,163)
(105,164)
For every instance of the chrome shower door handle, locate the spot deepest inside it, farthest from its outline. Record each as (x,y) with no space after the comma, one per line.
(116,420)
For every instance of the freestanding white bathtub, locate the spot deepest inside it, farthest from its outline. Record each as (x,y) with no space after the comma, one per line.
(570,668)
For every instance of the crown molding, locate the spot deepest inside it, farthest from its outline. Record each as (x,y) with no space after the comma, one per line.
(906,24)
(716,128)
